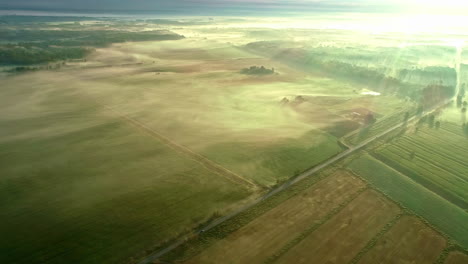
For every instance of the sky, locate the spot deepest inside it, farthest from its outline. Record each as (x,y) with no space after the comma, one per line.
(259,6)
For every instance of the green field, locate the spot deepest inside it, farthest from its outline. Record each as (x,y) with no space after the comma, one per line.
(79,185)
(445,216)
(82,184)
(278,161)
(435,158)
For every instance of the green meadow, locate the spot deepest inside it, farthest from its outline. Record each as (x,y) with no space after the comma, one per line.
(80,185)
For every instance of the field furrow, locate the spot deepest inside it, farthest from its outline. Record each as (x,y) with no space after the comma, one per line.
(409,241)
(259,239)
(346,233)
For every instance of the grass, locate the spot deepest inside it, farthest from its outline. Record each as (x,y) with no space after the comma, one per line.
(277,161)
(80,186)
(445,216)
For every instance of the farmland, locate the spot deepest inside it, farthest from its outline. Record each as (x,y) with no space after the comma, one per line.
(345,233)
(120,137)
(434,158)
(366,227)
(76,180)
(456,258)
(403,241)
(445,216)
(271,231)
(109,156)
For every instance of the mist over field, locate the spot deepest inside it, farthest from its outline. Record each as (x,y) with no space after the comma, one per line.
(233,131)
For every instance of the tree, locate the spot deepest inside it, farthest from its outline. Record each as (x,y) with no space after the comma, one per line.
(370,119)
(420,110)
(406,117)
(430,121)
(462,91)
(459,100)
(465,128)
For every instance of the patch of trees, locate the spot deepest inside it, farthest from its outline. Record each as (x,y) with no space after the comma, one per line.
(27,47)
(436,93)
(254,70)
(81,37)
(427,74)
(460,103)
(370,119)
(18,55)
(374,78)
(430,120)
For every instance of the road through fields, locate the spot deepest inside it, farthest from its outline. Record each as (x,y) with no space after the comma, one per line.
(153,257)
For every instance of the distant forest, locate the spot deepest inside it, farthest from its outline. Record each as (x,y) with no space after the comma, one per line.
(21,45)
(428,79)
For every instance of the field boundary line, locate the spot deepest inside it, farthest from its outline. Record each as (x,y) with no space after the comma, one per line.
(205,162)
(309,230)
(161,252)
(450,248)
(431,186)
(370,245)
(410,211)
(445,253)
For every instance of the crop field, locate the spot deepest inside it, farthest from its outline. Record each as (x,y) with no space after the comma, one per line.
(435,158)
(202,102)
(258,240)
(442,214)
(146,140)
(456,258)
(345,234)
(80,185)
(351,225)
(408,241)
